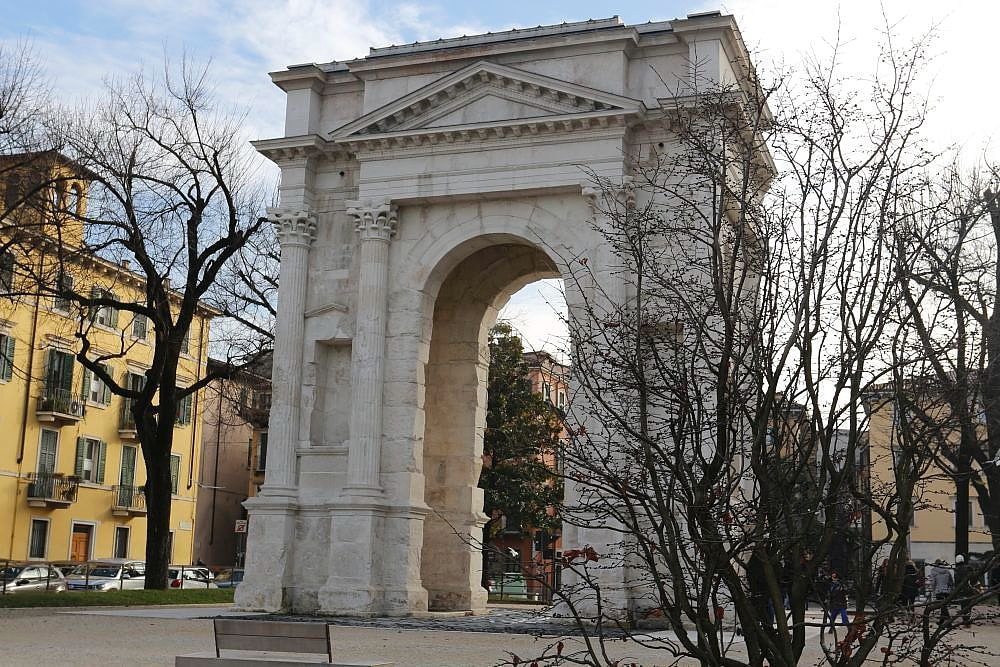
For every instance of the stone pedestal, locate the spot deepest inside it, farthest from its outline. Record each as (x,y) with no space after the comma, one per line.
(271,534)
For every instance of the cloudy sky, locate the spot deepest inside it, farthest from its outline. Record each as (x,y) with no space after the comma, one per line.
(82,42)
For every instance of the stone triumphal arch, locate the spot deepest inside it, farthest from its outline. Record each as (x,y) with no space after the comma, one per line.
(420,187)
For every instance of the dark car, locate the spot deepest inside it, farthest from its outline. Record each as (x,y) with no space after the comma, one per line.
(31,578)
(229,578)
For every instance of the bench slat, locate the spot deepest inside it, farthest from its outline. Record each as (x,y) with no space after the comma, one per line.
(283,644)
(271,628)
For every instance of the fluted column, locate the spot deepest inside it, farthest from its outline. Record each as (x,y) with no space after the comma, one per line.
(296,231)
(376,225)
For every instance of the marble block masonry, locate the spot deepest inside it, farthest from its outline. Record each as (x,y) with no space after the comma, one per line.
(421,186)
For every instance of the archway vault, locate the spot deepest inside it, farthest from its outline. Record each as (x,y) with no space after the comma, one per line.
(457,369)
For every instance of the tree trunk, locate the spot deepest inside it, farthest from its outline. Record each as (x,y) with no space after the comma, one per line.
(156,438)
(962,508)
(158,496)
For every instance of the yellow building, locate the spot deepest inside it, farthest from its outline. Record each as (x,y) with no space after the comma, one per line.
(932,531)
(71,473)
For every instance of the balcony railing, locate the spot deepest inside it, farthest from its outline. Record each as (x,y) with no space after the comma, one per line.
(128,500)
(60,404)
(52,489)
(126,421)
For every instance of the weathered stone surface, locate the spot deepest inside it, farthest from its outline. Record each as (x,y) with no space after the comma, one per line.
(436,179)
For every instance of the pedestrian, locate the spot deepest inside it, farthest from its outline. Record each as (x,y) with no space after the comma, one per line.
(942,584)
(966,588)
(836,600)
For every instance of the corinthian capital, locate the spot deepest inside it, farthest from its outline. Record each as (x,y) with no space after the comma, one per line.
(373,220)
(295,227)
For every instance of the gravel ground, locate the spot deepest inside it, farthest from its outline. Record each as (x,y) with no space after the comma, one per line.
(106,638)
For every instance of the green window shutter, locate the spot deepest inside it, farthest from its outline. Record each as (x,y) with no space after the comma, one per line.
(50,363)
(88,380)
(175,466)
(102,455)
(95,293)
(114,312)
(7,363)
(106,391)
(66,371)
(81,449)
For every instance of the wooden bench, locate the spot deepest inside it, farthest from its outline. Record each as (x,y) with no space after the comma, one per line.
(310,640)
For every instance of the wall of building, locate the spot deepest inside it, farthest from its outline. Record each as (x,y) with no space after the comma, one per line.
(933,531)
(38,327)
(231,471)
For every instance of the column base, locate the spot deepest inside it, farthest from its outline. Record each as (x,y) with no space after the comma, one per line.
(269,544)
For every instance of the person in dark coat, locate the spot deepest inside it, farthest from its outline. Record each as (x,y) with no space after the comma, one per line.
(836,601)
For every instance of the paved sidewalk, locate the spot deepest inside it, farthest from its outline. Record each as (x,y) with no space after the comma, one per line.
(153,636)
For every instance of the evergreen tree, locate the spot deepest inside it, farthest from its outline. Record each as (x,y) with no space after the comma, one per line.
(522,431)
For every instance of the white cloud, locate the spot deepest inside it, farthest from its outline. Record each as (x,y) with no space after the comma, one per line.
(959,75)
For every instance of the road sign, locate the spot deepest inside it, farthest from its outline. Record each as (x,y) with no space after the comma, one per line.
(241,525)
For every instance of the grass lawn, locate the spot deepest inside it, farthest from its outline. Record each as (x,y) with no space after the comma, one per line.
(118,598)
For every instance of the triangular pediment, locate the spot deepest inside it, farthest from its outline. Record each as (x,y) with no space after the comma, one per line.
(485,95)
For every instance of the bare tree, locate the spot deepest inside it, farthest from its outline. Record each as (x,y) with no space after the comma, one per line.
(718,430)
(949,242)
(173,200)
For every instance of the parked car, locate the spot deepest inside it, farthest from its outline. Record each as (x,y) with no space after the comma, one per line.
(31,578)
(108,575)
(67,567)
(230,578)
(190,576)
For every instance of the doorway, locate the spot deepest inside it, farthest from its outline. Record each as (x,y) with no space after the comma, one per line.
(81,541)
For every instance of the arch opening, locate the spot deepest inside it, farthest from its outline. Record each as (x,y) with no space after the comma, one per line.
(467,305)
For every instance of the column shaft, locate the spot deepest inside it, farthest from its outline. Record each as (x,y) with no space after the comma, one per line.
(376,225)
(296,230)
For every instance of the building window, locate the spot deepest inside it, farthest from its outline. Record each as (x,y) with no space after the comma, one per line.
(64,292)
(106,316)
(262,452)
(140,326)
(954,508)
(74,200)
(90,458)
(562,400)
(175,470)
(121,542)
(95,388)
(38,543)
(7,343)
(184,407)
(59,375)
(6,271)
(547,391)
(186,342)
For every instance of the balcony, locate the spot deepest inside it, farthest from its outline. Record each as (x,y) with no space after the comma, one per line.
(52,489)
(60,406)
(128,501)
(126,422)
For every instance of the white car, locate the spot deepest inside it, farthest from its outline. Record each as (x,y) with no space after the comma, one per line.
(108,575)
(190,576)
